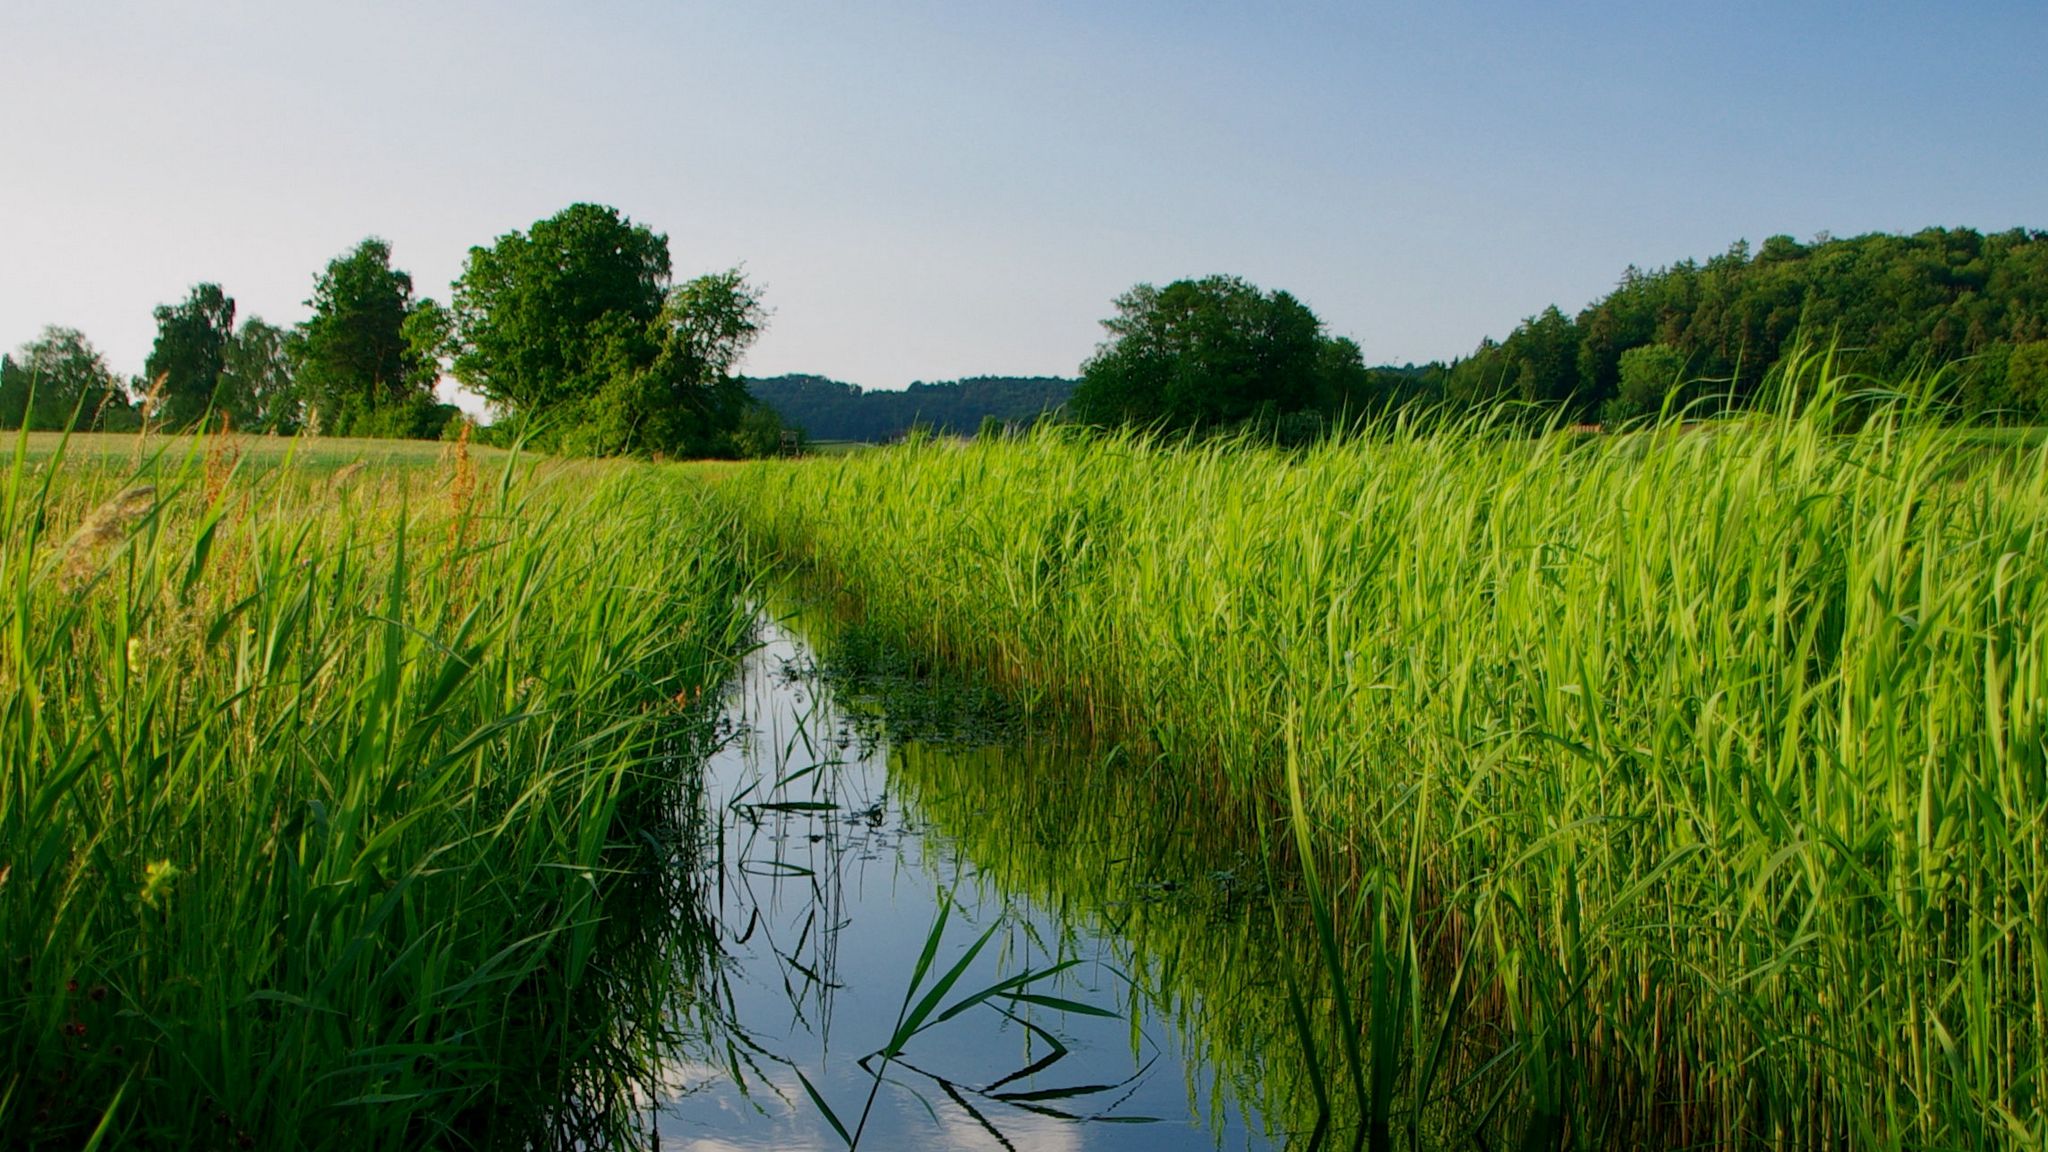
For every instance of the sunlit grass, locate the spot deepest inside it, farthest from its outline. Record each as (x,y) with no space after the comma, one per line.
(258,451)
(315,781)
(1698,776)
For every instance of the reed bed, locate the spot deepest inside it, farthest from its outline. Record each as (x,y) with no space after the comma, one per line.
(320,791)
(1681,787)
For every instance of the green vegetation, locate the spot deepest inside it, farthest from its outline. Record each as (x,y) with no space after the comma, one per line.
(331,797)
(1901,303)
(577,336)
(1694,777)
(1149,857)
(184,368)
(1214,353)
(575,332)
(829,410)
(60,380)
(571,330)
(253,453)
(367,359)
(256,376)
(1696,338)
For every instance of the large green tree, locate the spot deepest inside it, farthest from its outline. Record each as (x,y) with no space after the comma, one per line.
(58,378)
(184,367)
(256,377)
(574,329)
(1651,379)
(1212,353)
(360,361)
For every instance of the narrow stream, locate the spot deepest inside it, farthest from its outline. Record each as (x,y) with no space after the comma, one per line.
(845,852)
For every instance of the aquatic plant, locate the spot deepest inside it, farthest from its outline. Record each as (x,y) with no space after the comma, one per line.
(326,805)
(1678,786)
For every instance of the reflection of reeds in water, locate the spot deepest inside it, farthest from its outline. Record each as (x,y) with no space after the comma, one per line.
(793,780)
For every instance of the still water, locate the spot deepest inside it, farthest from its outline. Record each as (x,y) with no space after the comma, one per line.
(1099,971)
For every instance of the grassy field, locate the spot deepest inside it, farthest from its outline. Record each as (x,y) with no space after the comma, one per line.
(1697,781)
(325,789)
(256,453)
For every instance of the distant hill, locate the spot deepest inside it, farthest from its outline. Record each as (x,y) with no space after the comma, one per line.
(829,409)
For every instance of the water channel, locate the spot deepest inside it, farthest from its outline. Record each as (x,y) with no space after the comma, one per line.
(1101,971)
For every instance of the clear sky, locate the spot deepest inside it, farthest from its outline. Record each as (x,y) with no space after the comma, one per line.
(930,190)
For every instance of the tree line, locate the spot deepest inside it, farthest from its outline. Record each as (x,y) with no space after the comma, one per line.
(574,330)
(1694,337)
(1711,332)
(577,333)
(829,409)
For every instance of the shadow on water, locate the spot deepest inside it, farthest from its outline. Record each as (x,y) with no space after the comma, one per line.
(938,930)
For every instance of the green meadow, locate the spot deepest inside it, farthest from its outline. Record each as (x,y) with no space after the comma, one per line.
(257,452)
(1682,787)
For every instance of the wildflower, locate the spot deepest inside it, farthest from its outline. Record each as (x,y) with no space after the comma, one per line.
(156,881)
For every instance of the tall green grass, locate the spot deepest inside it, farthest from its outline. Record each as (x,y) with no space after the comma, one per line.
(320,791)
(1683,786)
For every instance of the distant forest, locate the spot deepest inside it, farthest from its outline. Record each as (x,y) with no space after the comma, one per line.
(833,410)
(1892,304)
(1219,353)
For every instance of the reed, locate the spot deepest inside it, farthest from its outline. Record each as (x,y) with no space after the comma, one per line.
(1697,773)
(319,801)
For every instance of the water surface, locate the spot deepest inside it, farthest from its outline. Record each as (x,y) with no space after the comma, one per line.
(845,843)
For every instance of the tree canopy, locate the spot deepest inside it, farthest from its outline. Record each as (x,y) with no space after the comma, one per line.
(574,329)
(1210,353)
(55,378)
(256,380)
(1893,303)
(365,361)
(184,367)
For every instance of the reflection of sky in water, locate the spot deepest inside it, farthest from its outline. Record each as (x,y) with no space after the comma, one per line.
(827,892)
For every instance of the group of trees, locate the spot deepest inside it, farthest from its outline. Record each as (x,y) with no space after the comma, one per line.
(364,364)
(58,377)
(1215,353)
(829,409)
(1219,353)
(573,331)
(1712,332)
(576,333)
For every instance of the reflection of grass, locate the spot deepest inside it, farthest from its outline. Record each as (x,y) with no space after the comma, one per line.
(1707,762)
(925,1006)
(883,683)
(799,777)
(313,786)
(1148,857)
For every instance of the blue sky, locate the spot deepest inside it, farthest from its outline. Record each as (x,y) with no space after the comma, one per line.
(929,190)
